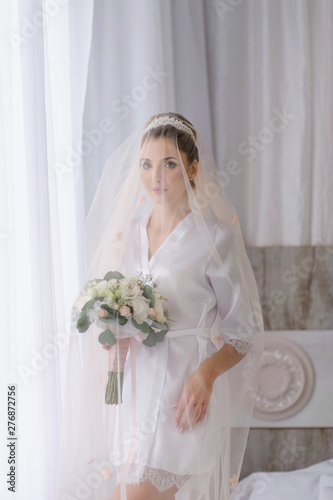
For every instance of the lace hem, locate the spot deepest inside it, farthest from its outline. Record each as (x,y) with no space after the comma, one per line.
(160,478)
(241,346)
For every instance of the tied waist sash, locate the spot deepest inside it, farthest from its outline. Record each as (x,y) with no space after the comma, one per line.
(200,332)
(171,334)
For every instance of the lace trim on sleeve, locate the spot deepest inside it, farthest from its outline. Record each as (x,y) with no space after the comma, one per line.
(241,346)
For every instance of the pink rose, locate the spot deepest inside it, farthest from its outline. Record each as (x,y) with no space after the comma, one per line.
(151,311)
(103,313)
(125,311)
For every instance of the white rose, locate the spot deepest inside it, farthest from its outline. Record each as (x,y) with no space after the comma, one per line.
(140,308)
(101,288)
(159,309)
(128,287)
(134,291)
(110,302)
(93,292)
(112,282)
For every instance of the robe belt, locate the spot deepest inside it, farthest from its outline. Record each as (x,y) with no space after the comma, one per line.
(200,332)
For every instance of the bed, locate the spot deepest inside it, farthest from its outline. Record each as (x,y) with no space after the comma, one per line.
(310,483)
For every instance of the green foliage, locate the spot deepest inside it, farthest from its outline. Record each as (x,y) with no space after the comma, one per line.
(108,309)
(160,326)
(150,340)
(122,320)
(111,275)
(160,336)
(143,327)
(107,337)
(87,306)
(83,324)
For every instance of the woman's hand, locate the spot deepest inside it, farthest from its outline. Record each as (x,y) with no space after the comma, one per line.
(195,396)
(198,389)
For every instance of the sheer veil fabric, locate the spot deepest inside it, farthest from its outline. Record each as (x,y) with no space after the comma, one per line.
(160,209)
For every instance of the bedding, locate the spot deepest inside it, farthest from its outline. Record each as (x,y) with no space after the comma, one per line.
(311,483)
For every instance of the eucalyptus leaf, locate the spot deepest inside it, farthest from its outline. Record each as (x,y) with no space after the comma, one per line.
(113,275)
(122,320)
(143,327)
(147,290)
(148,294)
(87,306)
(150,340)
(160,336)
(110,319)
(83,324)
(160,326)
(151,297)
(107,337)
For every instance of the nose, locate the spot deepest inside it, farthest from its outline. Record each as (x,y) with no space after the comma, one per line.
(157,175)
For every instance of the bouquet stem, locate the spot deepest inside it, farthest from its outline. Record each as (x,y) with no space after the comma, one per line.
(111,392)
(119,349)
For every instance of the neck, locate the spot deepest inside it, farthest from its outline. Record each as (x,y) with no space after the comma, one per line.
(166,217)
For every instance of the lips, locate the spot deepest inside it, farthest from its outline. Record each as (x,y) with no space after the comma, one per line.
(158,190)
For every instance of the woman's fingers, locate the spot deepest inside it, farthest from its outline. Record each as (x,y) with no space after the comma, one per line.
(204,409)
(194,398)
(183,416)
(186,420)
(196,412)
(179,412)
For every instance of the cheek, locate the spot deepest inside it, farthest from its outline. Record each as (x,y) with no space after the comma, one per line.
(177,179)
(143,176)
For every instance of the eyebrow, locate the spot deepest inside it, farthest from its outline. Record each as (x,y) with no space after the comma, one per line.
(167,158)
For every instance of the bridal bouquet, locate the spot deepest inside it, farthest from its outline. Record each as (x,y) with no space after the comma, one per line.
(116,300)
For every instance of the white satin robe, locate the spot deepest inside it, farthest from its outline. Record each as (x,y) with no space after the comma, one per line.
(196,289)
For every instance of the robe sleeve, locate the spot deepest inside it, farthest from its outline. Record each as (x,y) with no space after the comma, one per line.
(230,284)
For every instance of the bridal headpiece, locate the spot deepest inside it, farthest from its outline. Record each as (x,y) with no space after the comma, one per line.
(169,120)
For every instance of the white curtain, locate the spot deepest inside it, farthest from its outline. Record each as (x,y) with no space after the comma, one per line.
(44,56)
(76,78)
(255,76)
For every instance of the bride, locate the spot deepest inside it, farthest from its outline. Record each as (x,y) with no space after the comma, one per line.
(180,431)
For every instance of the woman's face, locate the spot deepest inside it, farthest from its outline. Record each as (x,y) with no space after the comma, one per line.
(161,171)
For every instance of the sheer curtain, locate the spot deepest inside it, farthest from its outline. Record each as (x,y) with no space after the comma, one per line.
(44,54)
(255,76)
(76,78)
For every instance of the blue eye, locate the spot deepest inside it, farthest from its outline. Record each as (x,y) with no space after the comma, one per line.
(171,164)
(145,165)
